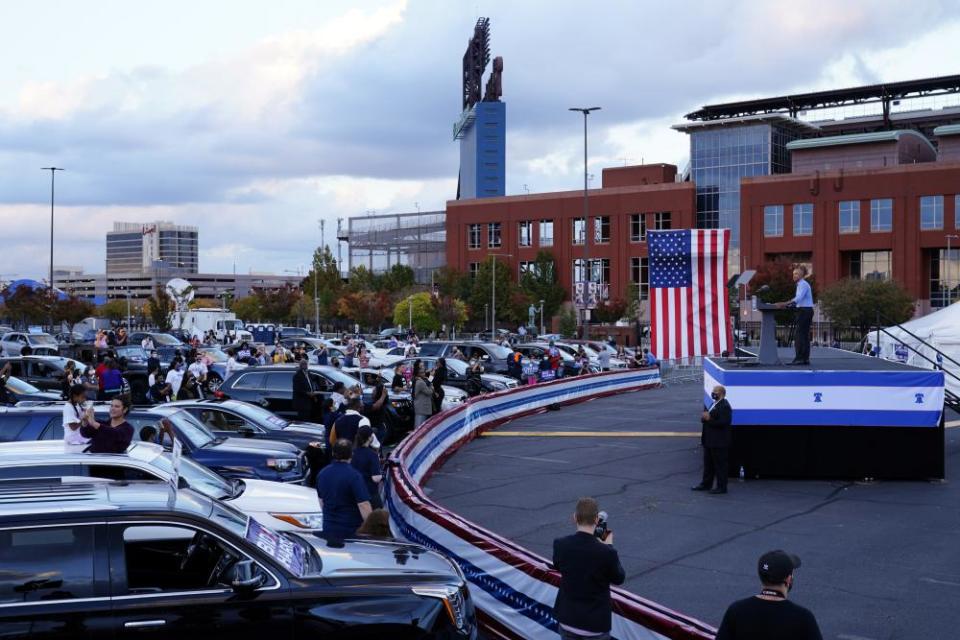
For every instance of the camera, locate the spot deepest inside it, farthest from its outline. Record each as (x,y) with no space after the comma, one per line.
(602,530)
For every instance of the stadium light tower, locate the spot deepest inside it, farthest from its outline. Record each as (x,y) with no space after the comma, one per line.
(586,111)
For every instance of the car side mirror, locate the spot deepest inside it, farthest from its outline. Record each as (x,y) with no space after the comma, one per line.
(246,431)
(246,577)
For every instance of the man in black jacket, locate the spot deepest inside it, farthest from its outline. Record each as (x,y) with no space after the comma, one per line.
(303,393)
(588,566)
(715,438)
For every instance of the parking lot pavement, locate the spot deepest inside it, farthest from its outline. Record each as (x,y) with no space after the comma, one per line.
(880,560)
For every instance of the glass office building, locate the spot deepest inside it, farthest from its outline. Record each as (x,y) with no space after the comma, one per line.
(134,247)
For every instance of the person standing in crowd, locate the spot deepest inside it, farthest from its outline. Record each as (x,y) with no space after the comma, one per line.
(100,342)
(91,383)
(153,361)
(363,356)
(515,365)
(366,460)
(399,382)
(70,375)
(422,396)
(338,396)
(715,438)
(189,387)
(304,393)
(122,336)
(604,359)
(113,436)
(230,367)
(770,614)
(349,422)
(343,495)
(243,353)
(348,353)
(323,355)
(147,343)
(474,378)
(555,359)
(199,370)
(5,397)
(376,412)
(803,301)
(111,379)
(175,377)
(588,565)
(158,391)
(73,415)
(439,379)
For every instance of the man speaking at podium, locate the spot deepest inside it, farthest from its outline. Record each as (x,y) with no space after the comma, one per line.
(803,301)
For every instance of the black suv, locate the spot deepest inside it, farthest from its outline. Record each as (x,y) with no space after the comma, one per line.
(145,560)
(495,358)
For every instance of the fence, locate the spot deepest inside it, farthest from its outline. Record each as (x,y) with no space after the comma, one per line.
(513,589)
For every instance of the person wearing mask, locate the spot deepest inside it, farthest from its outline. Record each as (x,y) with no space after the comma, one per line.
(439,379)
(153,362)
(112,436)
(199,370)
(343,495)
(715,437)
(91,383)
(147,343)
(111,379)
(399,382)
(304,393)
(189,387)
(770,614)
(73,415)
(366,460)
(422,397)
(588,565)
(349,422)
(175,376)
(803,301)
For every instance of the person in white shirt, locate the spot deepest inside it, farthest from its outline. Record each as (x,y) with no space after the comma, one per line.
(604,358)
(147,344)
(230,367)
(175,377)
(73,411)
(199,369)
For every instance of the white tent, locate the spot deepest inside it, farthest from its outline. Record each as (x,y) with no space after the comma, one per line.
(940,330)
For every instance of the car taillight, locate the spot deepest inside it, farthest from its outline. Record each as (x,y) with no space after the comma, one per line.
(219,395)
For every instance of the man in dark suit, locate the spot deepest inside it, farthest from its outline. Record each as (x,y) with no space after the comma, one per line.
(715,438)
(303,393)
(588,566)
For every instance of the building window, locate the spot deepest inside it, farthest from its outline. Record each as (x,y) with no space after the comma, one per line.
(601,230)
(850,216)
(881,215)
(640,276)
(931,212)
(525,233)
(493,235)
(943,288)
(661,220)
(638,227)
(473,236)
(803,219)
(474,269)
(546,233)
(773,220)
(871,265)
(600,267)
(579,230)
(579,270)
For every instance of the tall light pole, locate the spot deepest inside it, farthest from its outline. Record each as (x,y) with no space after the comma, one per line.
(493,301)
(586,213)
(316,302)
(53,173)
(947,268)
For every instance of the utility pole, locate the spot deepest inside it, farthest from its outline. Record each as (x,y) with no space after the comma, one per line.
(316,271)
(586,215)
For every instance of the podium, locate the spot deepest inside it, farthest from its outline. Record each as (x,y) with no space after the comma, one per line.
(768,332)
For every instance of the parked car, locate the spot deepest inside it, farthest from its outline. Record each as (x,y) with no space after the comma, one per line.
(568,363)
(278,505)
(143,559)
(495,358)
(271,387)
(457,374)
(452,396)
(19,391)
(69,338)
(294,332)
(47,372)
(41,344)
(230,457)
(159,339)
(232,418)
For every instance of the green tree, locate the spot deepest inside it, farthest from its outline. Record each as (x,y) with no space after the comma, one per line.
(609,311)
(778,276)
(115,310)
(855,303)
(451,312)
(424,314)
(71,310)
(26,305)
(481,290)
(277,304)
(454,283)
(398,278)
(247,309)
(159,307)
(568,323)
(329,284)
(361,279)
(540,283)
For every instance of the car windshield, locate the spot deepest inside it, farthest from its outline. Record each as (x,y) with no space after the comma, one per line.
(216,355)
(198,477)
(131,351)
(258,414)
(19,386)
(500,353)
(165,339)
(42,338)
(191,429)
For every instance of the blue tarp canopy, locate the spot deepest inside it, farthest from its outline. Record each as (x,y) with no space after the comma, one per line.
(36,285)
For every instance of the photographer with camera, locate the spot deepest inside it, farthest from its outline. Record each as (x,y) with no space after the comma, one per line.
(588,565)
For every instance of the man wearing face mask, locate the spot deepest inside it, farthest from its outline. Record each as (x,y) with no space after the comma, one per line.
(769,614)
(715,438)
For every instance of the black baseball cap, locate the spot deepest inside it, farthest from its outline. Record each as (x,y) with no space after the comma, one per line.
(775,566)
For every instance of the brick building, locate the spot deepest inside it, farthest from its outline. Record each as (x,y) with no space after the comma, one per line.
(630,200)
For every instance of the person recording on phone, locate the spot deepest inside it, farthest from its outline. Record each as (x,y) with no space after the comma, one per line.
(588,565)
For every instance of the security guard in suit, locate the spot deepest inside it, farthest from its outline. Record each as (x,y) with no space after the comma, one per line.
(715,437)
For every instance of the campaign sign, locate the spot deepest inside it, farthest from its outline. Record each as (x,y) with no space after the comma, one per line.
(548,374)
(278,547)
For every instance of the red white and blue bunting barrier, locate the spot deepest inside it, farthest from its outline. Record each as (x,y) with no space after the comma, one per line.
(512,588)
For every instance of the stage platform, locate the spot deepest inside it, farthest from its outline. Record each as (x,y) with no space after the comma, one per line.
(843,415)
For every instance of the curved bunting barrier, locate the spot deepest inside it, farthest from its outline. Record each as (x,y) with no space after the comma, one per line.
(513,589)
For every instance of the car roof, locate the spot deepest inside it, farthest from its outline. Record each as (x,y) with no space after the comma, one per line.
(57,406)
(17,452)
(33,499)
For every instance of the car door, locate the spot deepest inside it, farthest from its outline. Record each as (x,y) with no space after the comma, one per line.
(277,395)
(246,386)
(43,375)
(226,424)
(54,582)
(171,580)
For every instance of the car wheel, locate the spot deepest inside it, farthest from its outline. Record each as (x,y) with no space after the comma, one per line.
(213,383)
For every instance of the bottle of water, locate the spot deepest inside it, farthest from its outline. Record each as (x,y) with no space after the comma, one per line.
(742,473)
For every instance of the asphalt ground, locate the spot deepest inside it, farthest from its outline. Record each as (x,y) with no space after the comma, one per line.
(880,560)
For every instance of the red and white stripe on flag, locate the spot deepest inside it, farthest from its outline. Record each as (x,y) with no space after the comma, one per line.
(695,320)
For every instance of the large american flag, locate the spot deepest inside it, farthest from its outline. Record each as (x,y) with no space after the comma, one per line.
(689,309)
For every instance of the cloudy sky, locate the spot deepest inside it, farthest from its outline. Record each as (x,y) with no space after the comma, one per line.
(253,120)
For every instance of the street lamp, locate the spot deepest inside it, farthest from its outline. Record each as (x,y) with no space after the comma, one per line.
(947,268)
(53,172)
(586,215)
(128,309)
(316,302)
(493,296)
